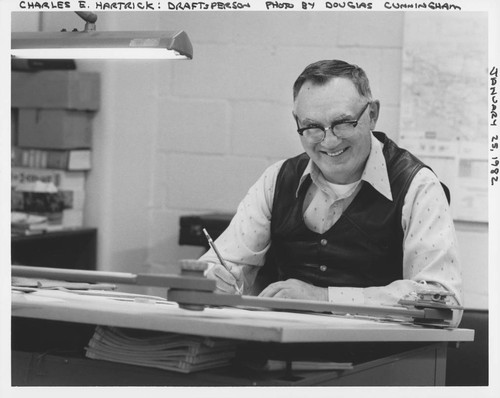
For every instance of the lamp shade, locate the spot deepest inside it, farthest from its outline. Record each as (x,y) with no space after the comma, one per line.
(102,45)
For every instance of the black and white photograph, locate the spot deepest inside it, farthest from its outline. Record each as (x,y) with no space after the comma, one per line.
(219,198)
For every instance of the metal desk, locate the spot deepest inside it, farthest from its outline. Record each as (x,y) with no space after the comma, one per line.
(406,354)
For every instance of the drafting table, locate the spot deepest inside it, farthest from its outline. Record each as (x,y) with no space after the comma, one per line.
(412,355)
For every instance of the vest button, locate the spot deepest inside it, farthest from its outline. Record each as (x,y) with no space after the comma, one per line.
(323,242)
(322,268)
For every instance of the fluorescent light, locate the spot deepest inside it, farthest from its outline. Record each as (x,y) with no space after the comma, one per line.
(95,53)
(102,45)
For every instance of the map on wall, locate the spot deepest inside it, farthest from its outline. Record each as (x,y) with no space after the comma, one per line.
(444,104)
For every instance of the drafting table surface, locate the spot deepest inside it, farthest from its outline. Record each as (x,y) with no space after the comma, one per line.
(251,325)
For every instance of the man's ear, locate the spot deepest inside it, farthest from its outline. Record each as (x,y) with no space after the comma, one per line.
(374,112)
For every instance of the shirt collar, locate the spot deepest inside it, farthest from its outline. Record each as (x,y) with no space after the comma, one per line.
(375,172)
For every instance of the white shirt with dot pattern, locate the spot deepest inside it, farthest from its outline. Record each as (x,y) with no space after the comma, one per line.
(430,252)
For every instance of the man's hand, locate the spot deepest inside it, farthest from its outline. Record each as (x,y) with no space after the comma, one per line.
(226,281)
(295,289)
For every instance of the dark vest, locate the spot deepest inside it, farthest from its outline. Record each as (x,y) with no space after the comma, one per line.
(363,248)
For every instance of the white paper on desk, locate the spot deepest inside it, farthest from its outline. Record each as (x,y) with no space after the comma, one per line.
(56,284)
(261,318)
(269,317)
(93,295)
(28,297)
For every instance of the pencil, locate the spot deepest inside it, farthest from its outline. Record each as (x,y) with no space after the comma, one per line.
(219,256)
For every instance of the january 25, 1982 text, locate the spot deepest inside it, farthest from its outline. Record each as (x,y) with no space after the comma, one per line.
(495,169)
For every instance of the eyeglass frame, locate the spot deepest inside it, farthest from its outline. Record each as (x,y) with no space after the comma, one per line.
(354,123)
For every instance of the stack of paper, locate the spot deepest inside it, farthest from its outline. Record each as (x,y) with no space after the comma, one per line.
(168,351)
(27,224)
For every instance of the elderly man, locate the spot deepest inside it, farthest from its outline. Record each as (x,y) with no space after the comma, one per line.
(355,219)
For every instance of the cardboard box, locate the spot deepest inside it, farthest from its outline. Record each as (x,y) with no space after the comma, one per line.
(56,89)
(54,128)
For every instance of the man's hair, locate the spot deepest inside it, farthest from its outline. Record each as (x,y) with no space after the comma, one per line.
(322,72)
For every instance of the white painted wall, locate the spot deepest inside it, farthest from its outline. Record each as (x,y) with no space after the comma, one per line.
(175,138)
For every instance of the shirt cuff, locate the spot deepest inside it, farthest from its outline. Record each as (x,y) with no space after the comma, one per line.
(346,295)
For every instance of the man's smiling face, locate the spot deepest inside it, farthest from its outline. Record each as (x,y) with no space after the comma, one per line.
(341,160)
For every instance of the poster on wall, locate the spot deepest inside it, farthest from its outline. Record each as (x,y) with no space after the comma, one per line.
(444,95)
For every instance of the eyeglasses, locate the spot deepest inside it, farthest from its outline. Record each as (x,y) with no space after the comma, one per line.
(340,128)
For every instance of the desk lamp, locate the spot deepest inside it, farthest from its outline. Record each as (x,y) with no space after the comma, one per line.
(92,44)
